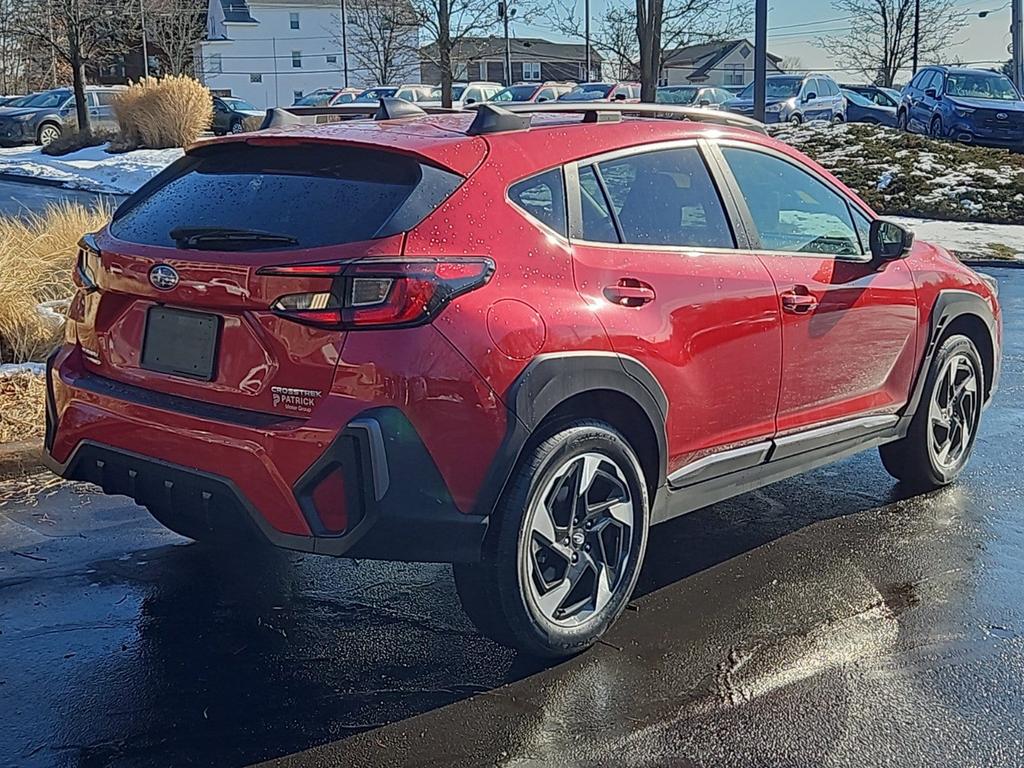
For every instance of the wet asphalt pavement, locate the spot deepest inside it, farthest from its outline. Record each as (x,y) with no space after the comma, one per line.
(19,198)
(829,620)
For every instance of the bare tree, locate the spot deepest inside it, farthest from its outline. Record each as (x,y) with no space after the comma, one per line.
(658,28)
(387,39)
(80,33)
(793,65)
(176,26)
(443,25)
(881,42)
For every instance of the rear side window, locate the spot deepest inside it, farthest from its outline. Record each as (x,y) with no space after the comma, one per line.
(666,198)
(315,194)
(597,222)
(543,197)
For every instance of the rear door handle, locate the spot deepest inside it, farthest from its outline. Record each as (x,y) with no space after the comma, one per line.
(630,292)
(798,303)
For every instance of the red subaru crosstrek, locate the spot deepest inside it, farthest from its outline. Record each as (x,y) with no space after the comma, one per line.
(508,340)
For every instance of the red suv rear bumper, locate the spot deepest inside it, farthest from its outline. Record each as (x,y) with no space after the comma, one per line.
(256,473)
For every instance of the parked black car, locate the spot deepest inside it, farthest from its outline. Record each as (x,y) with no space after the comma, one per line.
(975,106)
(883,97)
(860,109)
(229,114)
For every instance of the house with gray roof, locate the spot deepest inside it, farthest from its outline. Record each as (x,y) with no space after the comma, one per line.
(724,63)
(534,59)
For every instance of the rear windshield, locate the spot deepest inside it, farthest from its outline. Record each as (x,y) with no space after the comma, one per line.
(317,195)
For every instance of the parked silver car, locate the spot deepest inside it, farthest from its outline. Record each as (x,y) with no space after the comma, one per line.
(46,116)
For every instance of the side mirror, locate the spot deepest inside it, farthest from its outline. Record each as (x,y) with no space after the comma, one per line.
(704,103)
(931,93)
(620,97)
(811,95)
(467,102)
(542,99)
(889,241)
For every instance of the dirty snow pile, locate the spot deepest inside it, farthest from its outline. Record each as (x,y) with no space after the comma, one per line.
(904,174)
(92,169)
(970,240)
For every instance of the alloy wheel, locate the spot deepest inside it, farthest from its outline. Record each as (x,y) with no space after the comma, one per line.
(953,412)
(578,540)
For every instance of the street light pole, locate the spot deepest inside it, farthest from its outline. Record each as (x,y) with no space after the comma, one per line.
(145,49)
(760,58)
(344,44)
(917,31)
(1018,43)
(508,45)
(586,34)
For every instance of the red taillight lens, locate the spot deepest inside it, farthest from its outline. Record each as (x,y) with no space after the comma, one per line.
(330,503)
(376,293)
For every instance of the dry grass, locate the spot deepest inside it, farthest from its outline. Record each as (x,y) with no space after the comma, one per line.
(21,407)
(37,255)
(160,113)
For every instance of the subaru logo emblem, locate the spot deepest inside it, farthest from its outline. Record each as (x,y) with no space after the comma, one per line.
(163,277)
(1001,116)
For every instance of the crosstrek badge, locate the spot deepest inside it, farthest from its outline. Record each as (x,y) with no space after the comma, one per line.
(295,399)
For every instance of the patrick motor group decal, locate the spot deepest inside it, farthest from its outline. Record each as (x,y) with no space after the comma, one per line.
(298,400)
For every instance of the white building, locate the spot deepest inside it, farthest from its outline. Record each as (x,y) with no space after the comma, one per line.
(723,63)
(271,52)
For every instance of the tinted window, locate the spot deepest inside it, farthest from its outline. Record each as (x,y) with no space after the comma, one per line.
(543,197)
(106,98)
(792,210)
(598,226)
(666,198)
(320,196)
(588,92)
(938,81)
(926,81)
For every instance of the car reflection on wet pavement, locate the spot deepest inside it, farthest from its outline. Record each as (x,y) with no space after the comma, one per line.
(827,620)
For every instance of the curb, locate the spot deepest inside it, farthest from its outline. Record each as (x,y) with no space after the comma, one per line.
(20,458)
(38,181)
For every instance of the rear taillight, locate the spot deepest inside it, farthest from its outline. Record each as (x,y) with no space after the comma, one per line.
(87,265)
(378,293)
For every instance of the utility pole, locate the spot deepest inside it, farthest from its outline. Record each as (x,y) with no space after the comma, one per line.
(344,44)
(586,34)
(1018,43)
(505,13)
(145,49)
(760,58)
(917,32)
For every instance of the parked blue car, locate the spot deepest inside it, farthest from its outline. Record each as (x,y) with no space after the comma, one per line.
(795,99)
(883,97)
(975,106)
(860,109)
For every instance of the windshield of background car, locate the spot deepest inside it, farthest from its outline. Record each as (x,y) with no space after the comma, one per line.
(979,85)
(48,99)
(779,88)
(855,98)
(457,91)
(377,94)
(515,93)
(676,95)
(313,100)
(588,92)
(240,104)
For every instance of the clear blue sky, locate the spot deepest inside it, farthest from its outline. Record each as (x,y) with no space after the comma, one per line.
(796,24)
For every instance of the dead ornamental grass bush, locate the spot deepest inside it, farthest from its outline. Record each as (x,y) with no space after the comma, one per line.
(22,396)
(162,113)
(37,255)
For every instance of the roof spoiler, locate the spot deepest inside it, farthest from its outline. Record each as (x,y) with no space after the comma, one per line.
(516,117)
(387,109)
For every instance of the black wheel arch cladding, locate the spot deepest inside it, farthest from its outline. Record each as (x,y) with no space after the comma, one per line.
(551,380)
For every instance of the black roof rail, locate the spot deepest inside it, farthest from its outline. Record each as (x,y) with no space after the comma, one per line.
(599,111)
(386,109)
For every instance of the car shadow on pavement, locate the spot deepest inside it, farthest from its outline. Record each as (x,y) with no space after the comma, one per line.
(248,655)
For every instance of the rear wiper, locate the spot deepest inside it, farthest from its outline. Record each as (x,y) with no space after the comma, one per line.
(194,237)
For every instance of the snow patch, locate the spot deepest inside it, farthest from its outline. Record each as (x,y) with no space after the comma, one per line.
(969,239)
(92,169)
(10,370)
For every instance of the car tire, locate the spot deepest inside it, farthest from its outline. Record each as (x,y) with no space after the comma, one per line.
(838,120)
(942,432)
(796,120)
(48,133)
(237,127)
(902,123)
(562,562)
(935,129)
